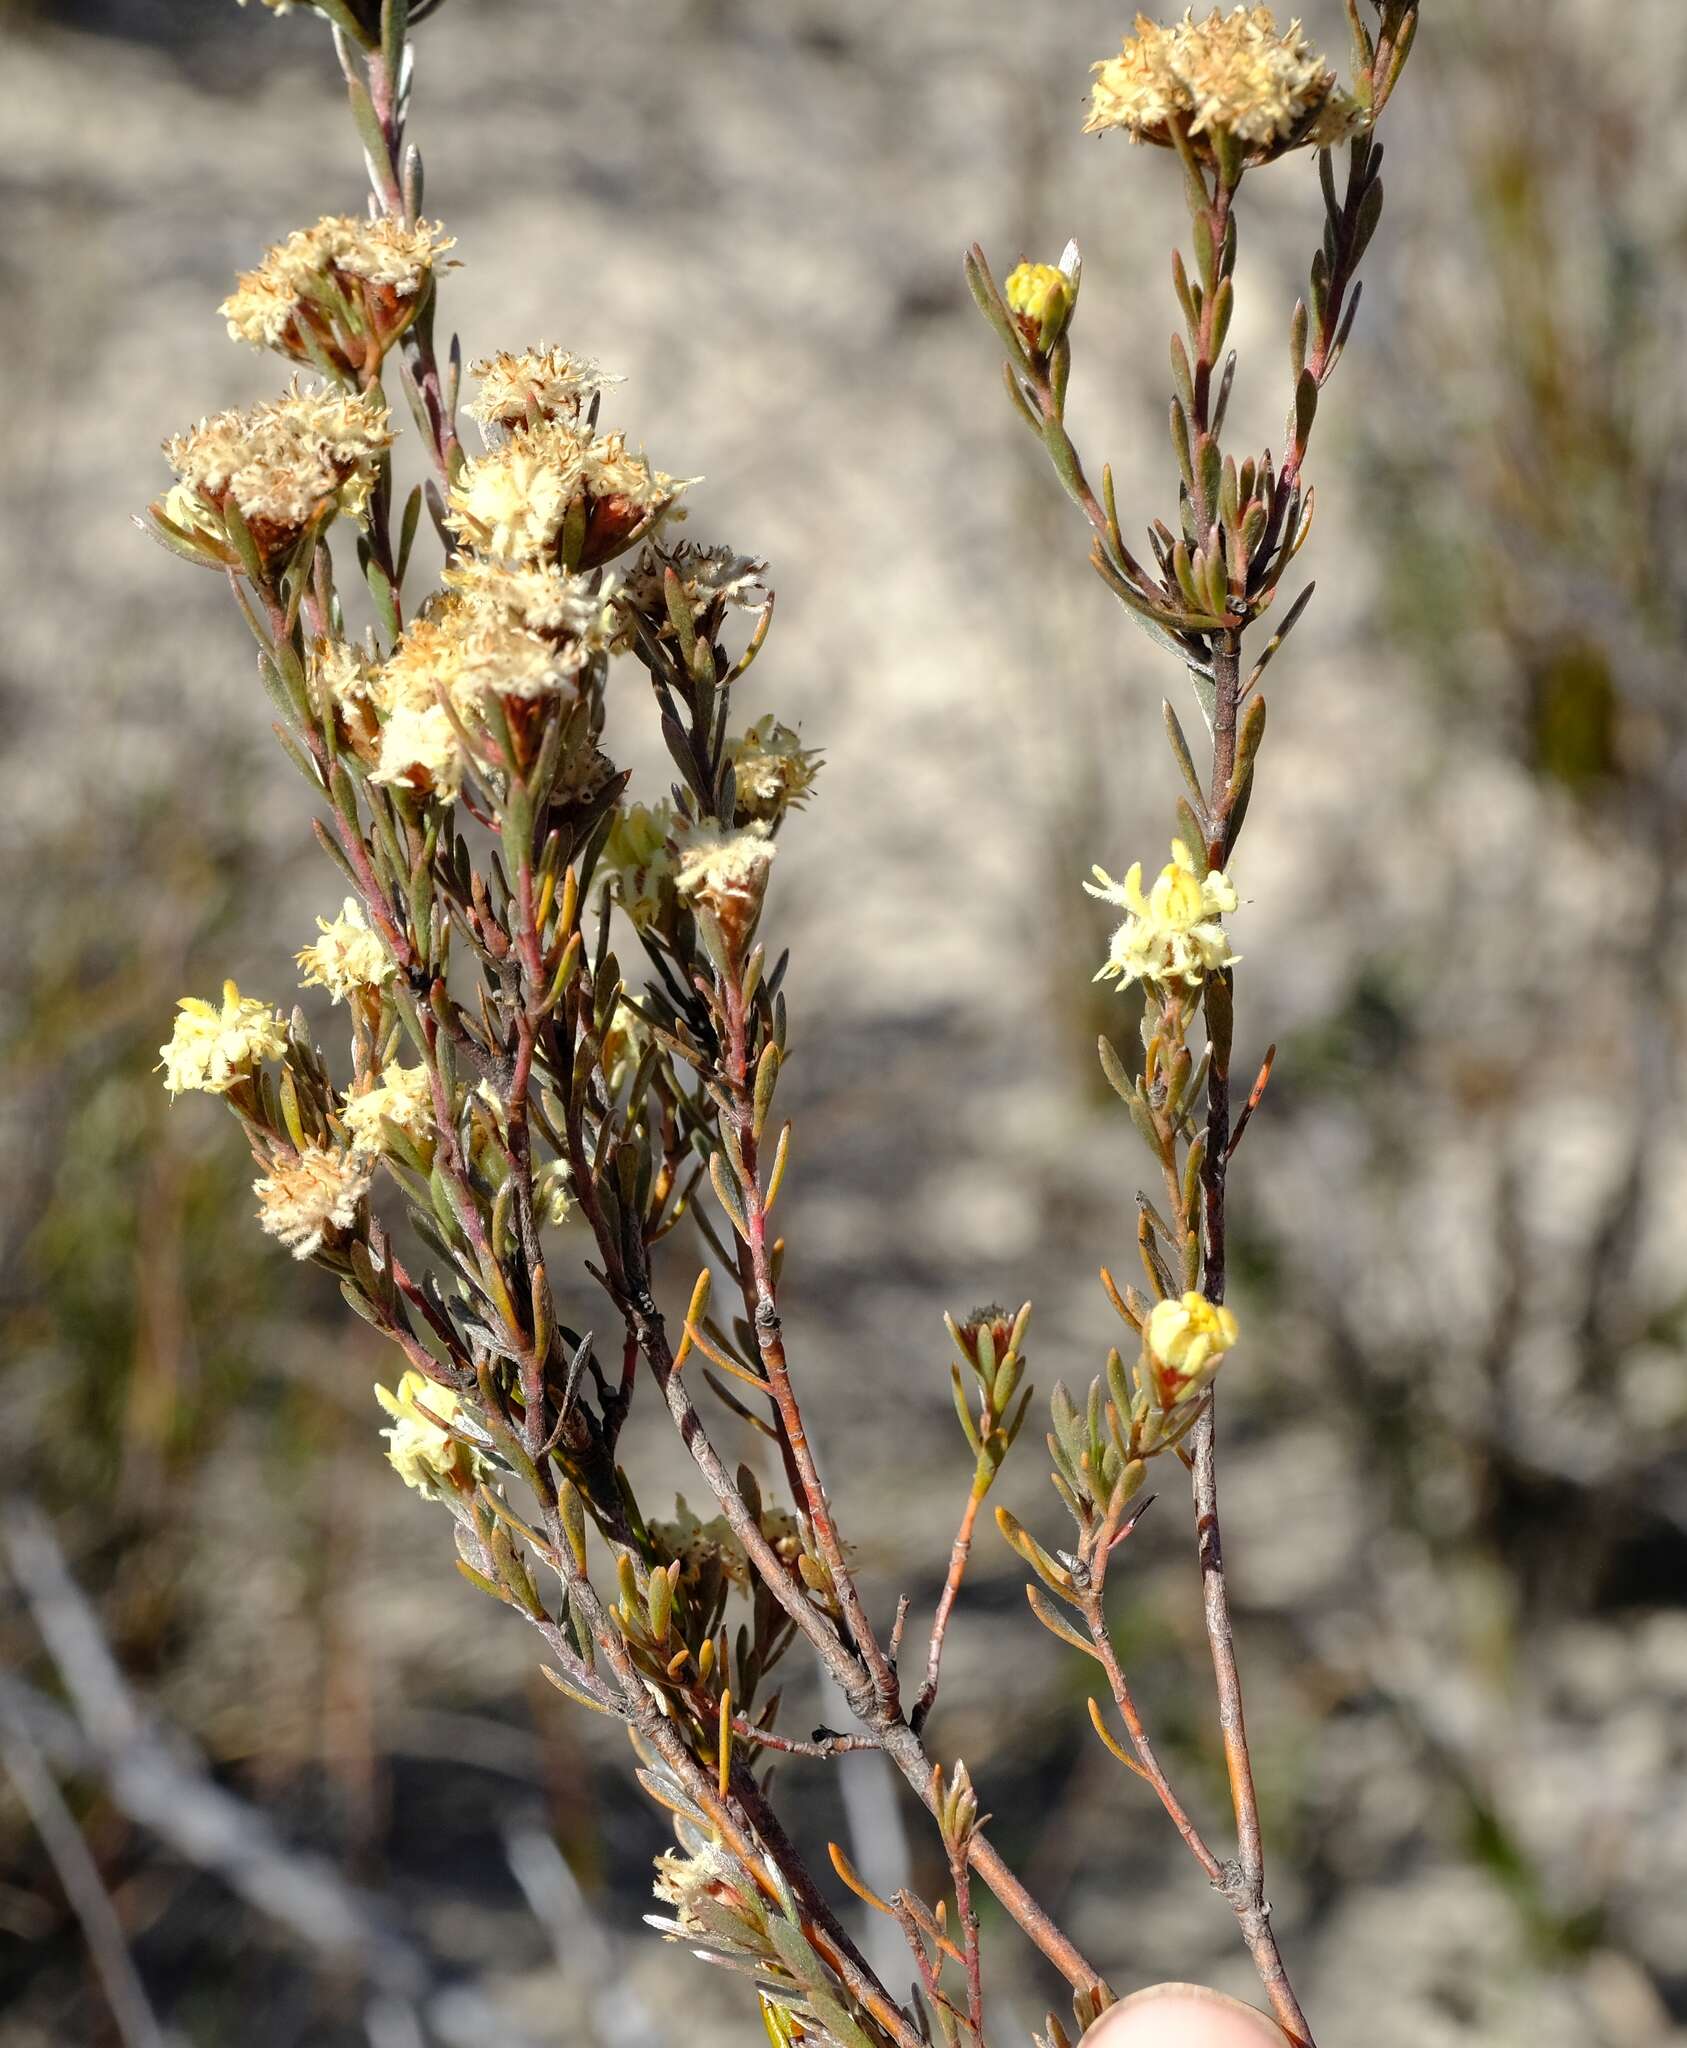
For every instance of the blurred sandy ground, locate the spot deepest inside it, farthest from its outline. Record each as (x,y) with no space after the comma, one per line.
(1458,1506)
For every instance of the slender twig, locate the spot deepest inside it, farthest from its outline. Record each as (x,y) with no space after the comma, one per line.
(1096,1623)
(960,1552)
(1246,1888)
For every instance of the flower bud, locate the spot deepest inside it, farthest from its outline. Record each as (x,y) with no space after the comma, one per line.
(1042,298)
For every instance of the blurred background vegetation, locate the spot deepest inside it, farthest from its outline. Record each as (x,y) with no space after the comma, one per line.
(1457,1440)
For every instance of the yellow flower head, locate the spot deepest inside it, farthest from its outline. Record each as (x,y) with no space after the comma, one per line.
(211,1049)
(1041,297)
(775,772)
(347,956)
(1266,87)
(640,855)
(1172,936)
(1186,1340)
(310,1195)
(420,1450)
(536,384)
(300,458)
(403,1096)
(298,299)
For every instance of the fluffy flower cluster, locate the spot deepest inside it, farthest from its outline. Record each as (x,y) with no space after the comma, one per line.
(1172,937)
(775,772)
(515,632)
(403,1097)
(210,1048)
(296,300)
(1239,72)
(311,1194)
(535,384)
(421,1446)
(1186,1339)
(347,957)
(285,464)
(725,874)
(552,484)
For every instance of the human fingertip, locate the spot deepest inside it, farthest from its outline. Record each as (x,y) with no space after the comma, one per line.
(1182,2016)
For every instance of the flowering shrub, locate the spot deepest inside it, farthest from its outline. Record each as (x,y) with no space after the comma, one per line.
(509,1091)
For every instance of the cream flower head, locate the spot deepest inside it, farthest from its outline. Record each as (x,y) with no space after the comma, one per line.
(1238,72)
(1172,937)
(535,384)
(403,1096)
(298,299)
(1186,1340)
(511,503)
(425,1454)
(347,956)
(286,464)
(310,1195)
(210,1049)
(775,772)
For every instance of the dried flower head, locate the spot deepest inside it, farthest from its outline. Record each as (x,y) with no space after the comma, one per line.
(639,854)
(775,772)
(421,1446)
(536,384)
(1186,1340)
(1268,88)
(515,501)
(1041,297)
(403,1097)
(211,1049)
(710,579)
(329,292)
(347,956)
(311,1195)
(286,465)
(1172,936)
